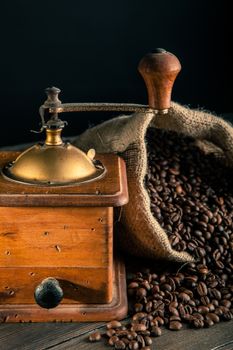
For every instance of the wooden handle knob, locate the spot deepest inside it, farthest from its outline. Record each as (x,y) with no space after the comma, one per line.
(159,70)
(48,294)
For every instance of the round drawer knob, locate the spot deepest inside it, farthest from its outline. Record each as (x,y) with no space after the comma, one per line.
(48,293)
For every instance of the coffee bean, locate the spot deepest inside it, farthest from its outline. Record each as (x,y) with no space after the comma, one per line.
(174,318)
(202,289)
(148,340)
(139,316)
(126,341)
(166,287)
(138,307)
(175,325)
(223,308)
(205,300)
(159,320)
(133,345)
(184,297)
(113,324)
(145,333)
(208,323)
(138,327)
(131,335)
(211,307)
(94,337)
(226,303)
(215,293)
(198,316)
(179,189)
(121,333)
(203,309)
(112,340)
(141,293)
(119,345)
(140,340)
(203,270)
(213,317)
(227,316)
(218,311)
(197,322)
(182,311)
(110,332)
(215,302)
(148,306)
(173,311)
(156,331)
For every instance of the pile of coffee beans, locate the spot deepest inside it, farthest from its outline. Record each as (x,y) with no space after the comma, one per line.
(191,197)
(135,335)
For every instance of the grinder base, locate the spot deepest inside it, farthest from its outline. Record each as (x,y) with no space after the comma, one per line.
(117,309)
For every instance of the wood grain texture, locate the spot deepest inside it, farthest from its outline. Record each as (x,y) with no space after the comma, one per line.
(116,309)
(56,237)
(73,245)
(73,336)
(159,71)
(111,190)
(79,285)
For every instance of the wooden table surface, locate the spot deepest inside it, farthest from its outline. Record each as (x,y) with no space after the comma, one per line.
(71,336)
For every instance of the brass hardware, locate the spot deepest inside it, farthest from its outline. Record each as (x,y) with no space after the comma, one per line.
(54,163)
(53,166)
(91,153)
(53,137)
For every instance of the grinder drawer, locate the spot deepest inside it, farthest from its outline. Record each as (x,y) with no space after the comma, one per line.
(79,285)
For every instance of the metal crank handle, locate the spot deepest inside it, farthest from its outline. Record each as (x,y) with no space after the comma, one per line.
(158,69)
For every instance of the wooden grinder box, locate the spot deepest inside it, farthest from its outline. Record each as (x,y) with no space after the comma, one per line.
(65,233)
(56,228)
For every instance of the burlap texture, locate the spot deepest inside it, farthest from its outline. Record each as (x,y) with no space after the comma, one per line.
(140,234)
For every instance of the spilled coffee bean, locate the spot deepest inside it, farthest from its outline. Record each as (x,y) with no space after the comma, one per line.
(94,337)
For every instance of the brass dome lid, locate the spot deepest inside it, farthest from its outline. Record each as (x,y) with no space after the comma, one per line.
(53,165)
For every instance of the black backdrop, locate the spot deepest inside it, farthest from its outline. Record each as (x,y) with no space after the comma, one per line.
(90,49)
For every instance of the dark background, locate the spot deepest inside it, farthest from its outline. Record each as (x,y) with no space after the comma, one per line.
(90,49)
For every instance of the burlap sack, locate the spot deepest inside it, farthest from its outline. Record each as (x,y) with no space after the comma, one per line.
(140,233)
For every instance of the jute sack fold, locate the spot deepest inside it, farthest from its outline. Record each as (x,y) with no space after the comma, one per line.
(138,232)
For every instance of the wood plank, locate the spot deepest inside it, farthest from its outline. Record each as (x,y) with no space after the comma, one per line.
(74,336)
(111,190)
(56,237)
(217,337)
(41,336)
